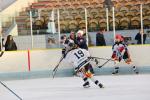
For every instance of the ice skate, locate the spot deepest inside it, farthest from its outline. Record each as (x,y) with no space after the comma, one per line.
(86,85)
(115,72)
(101,85)
(135,70)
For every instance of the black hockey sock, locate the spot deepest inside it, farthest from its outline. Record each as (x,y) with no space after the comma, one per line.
(85,79)
(86,83)
(96,82)
(99,84)
(116,68)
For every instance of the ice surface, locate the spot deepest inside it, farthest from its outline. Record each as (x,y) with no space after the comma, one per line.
(121,87)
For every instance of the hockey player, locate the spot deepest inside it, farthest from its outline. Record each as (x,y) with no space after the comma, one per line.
(81,42)
(79,58)
(65,40)
(120,52)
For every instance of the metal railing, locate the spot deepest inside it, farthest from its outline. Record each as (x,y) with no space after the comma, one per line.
(33,34)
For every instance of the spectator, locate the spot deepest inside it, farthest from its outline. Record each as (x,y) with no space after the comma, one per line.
(10,44)
(100,40)
(72,36)
(81,41)
(139,38)
(89,37)
(51,42)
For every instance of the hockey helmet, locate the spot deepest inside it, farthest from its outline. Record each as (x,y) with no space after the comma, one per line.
(71,43)
(80,32)
(119,37)
(63,38)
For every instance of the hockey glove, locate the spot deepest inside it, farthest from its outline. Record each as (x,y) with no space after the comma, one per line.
(64,53)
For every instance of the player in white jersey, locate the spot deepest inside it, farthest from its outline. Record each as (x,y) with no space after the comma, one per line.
(79,58)
(120,52)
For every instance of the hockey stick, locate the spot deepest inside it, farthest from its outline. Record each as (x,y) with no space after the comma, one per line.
(56,67)
(11,91)
(1,53)
(105,63)
(2,47)
(101,58)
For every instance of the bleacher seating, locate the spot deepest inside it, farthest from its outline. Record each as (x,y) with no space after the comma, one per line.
(127,14)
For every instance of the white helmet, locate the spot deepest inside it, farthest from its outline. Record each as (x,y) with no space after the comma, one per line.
(80,32)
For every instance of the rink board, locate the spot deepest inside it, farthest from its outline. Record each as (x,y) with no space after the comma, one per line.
(69,73)
(15,64)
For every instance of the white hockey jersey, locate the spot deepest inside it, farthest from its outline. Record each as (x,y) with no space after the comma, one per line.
(78,58)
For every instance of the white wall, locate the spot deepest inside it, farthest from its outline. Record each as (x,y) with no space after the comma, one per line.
(13,62)
(5,3)
(16,7)
(47,59)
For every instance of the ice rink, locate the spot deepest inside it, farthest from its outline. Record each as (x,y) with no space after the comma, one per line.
(119,87)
